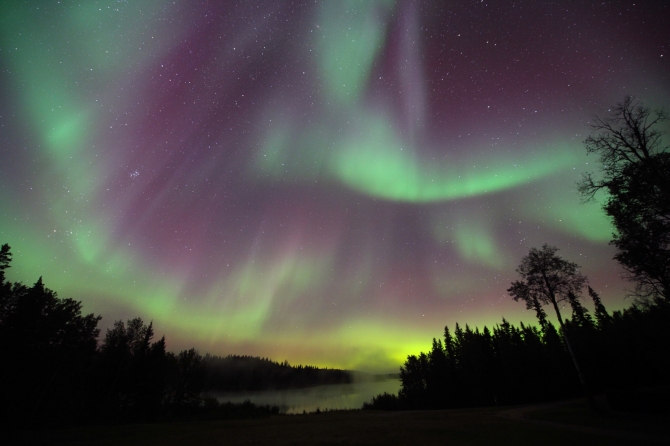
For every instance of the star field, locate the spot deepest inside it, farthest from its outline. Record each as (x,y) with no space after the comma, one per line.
(327,182)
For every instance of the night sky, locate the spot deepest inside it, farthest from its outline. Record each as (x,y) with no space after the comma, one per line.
(326,182)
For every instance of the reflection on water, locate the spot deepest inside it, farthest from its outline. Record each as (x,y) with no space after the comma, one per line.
(333,396)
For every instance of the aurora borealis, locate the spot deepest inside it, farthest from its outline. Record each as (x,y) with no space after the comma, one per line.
(326,182)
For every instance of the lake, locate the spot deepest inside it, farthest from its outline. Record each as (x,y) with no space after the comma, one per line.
(330,397)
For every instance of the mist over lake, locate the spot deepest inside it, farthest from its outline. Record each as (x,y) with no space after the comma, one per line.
(330,397)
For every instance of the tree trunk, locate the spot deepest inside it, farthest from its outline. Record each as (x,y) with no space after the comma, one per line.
(582,379)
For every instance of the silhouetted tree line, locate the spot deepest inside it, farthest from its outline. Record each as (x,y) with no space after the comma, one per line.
(524,364)
(54,370)
(247,373)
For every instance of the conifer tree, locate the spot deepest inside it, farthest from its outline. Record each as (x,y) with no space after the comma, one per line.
(580,314)
(602,317)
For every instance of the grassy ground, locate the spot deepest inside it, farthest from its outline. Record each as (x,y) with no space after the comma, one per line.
(578,413)
(448,427)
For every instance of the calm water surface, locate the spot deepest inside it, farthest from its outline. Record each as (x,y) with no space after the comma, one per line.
(334,396)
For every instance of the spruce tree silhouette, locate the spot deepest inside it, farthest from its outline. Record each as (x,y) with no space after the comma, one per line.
(5,260)
(602,317)
(580,315)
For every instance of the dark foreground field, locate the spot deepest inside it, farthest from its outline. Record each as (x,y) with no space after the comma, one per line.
(512,426)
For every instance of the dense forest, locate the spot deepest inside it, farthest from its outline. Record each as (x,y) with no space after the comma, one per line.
(57,372)
(624,350)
